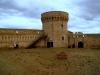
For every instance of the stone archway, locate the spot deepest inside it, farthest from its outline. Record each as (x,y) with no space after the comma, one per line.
(80,44)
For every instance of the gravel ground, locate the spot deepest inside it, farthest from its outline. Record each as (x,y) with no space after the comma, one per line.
(43,61)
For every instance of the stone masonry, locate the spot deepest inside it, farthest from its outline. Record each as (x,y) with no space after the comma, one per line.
(54,33)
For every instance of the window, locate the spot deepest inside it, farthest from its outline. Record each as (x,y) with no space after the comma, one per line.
(52,17)
(83,35)
(62,25)
(16,31)
(62,37)
(38,32)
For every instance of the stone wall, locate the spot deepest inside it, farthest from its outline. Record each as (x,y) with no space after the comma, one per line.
(88,40)
(92,40)
(55,26)
(22,37)
(79,38)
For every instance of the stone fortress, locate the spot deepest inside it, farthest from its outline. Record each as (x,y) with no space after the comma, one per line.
(54,33)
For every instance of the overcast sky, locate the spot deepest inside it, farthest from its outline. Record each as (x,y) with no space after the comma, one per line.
(84,15)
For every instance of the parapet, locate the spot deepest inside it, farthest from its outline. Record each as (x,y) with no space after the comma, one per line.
(19,31)
(54,16)
(78,33)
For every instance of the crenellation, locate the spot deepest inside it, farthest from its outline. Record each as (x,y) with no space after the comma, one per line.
(54,16)
(55,33)
(48,19)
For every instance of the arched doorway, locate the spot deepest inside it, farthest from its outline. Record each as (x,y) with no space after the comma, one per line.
(80,44)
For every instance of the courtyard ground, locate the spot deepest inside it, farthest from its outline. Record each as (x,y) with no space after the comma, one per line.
(43,61)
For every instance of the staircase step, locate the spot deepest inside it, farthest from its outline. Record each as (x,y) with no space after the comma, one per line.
(35,41)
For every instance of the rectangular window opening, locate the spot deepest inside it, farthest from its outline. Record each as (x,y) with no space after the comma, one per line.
(16,31)
(62,25)
(62,37)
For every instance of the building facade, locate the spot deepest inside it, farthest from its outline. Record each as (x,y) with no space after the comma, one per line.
(54,33)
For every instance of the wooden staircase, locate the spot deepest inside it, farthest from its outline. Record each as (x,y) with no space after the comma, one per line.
(33,43)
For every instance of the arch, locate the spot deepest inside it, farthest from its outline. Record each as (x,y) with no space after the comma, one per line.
(80,44)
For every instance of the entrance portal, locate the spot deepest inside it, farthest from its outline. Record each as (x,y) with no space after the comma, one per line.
(80,44)
(49,44)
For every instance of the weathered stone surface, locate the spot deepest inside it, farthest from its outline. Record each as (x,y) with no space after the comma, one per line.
(54,24)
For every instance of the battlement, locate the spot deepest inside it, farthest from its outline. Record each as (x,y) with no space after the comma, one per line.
(19,31)
(54,16)
(78,33)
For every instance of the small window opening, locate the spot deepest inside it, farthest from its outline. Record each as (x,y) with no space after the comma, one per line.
(16,31)
(38,32)
(62,25)
(62,37)
(52,17)
(83,35)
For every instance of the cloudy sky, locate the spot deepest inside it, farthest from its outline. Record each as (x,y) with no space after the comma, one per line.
(84,15)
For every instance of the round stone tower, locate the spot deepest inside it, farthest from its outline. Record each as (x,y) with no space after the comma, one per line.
(54,24)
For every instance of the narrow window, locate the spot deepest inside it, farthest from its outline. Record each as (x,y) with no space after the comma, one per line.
(38,32)
(62,37)
(16,31)
(52,18)
(62,25)
(83,35)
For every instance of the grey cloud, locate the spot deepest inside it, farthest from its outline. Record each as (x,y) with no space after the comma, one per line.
(3,1)
(83,14)
(33,11)
(11,4)
(90,9)
(9,7)
(8,11)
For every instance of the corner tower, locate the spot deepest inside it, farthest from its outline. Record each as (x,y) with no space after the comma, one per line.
(54,24)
